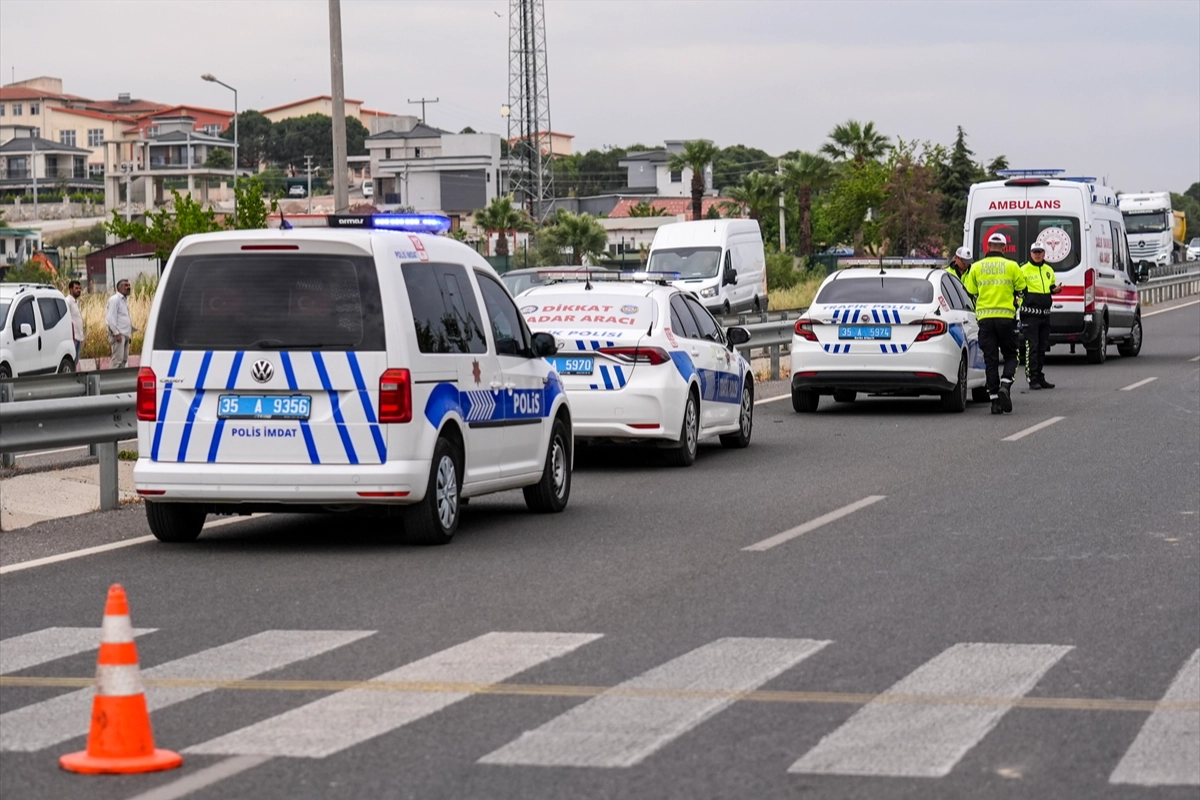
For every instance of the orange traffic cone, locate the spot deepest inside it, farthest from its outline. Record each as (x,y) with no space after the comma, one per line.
(120,740)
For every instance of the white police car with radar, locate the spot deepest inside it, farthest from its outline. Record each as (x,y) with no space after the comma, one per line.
(644,361)
(905,332)
(371,364)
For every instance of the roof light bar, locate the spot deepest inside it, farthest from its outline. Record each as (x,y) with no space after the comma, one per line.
(407,223)
(1029,173)
(584,274)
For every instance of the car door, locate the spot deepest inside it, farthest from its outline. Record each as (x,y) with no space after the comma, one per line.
(722,390)
(26,346)
(56,329)
(964,327)
(524,376)
(700,351)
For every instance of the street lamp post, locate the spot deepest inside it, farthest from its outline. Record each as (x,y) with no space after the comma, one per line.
(209,77)
(506,112)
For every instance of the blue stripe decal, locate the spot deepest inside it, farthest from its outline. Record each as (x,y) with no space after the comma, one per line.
(337,411)
(607,379)
(162,412)
(230,382)
(291,379)
(196,401)
(896,314)
(579,345)
(620,377)
(376,434)
(595,345)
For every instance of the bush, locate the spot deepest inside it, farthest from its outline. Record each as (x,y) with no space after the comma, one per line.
(781,271)
(29,272)
(75,237)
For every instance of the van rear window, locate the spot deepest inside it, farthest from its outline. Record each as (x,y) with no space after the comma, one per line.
(271,301)
(1059,235)
(884,289)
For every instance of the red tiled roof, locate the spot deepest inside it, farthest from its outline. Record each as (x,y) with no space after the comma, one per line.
(132,107)
(93,114)
(306,100)
(375,113)
(162,112)
(25,93)
(672,205)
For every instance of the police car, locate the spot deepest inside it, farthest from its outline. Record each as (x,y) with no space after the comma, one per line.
(644,361)
(898,331)
(369,364)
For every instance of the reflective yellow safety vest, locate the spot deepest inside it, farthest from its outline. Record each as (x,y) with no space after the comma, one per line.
(995,281)
(1038,277)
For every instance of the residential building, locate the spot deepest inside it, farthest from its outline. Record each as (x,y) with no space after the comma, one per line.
(209,121)
(175,151)
(26,159)
(88,129)
(374,121)
(552,143)
(680,207)
(17,245)
(648,173)
(430,169)
(633,236)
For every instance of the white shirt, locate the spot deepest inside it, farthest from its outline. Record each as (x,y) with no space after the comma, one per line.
(116,316)
(76,318)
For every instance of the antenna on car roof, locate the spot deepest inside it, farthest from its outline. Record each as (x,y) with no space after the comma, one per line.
(284,225)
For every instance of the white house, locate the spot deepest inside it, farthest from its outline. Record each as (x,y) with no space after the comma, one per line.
(430,169)
(648,173)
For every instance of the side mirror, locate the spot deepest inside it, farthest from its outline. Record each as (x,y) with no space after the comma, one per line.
(1141,271)
(544,345)
(731,276)
(25,330)
(737,336)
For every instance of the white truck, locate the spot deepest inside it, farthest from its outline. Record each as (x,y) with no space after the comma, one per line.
(1149,227)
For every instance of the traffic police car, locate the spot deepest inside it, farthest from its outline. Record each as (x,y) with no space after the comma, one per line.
(644,361)
(902,331)
(372,363)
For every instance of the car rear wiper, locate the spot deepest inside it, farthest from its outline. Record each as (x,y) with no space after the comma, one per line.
(264,343)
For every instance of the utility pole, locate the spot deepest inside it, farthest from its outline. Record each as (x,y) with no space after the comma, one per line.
(33,172)
(308,169)
(423,101)
(341,188)
(782,219)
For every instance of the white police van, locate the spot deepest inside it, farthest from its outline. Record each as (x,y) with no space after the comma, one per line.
(369,364)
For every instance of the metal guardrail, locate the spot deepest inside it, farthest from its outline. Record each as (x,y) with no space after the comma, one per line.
(1182,268)
(70,384)
(1169,287)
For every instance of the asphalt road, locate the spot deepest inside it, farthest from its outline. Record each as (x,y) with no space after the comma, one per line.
(1030,610)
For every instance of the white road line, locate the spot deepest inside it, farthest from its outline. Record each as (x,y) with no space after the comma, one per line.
(347,718)
(39,647)
(66,716)
(615,729)
(104,548)
(1133,386)
(1172,308)
(1190,360)
(800,530)
(1046,423)
(226,768)
(890,738)
(772,399)
(1164,752)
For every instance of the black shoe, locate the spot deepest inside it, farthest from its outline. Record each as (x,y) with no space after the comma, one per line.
(1006,397)
(1035,384)
(1044,384)
(996,407)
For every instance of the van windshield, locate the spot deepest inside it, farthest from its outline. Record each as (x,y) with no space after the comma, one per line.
(4,304)
(241,301)
(1059,235)
(1145,222)
(884,289)
(689,262)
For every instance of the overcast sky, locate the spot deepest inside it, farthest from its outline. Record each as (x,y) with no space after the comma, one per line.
(1098,88)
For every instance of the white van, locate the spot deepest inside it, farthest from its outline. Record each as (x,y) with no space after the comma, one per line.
(720,260)
(35,330)
(1081,228)
(338,369)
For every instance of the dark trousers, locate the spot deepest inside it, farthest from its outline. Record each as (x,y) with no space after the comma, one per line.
(1036,333)
(998,337)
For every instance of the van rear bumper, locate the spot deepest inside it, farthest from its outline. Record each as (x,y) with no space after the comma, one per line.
(393,482)
(874,381)
(1074,327)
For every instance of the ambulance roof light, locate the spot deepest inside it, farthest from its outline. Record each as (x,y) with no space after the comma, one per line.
(406,223)
(1029,173)
(1078,179)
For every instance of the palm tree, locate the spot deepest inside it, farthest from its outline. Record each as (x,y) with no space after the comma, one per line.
(580,232)
(756,194)
(644,209)
(857,142)
(502,216)
(697,155)
(806,175)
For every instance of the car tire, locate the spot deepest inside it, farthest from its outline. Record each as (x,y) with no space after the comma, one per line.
(758,305)
(66,366)
(5,371)
(551,493)
(1133,345)
(980,395)
(684,454)
(745,420)
(434,520)
(955,400)
(844,396)
(175,522)
(805,401)
(1099,353)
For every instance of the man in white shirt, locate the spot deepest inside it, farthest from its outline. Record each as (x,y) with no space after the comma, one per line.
(120,325)
(73,292)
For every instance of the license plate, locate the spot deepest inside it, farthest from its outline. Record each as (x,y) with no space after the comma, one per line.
(573,365)
(864,332)
(260,406)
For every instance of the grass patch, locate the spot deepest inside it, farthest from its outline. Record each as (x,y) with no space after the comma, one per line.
(93,306)
(127,455)
(798,296)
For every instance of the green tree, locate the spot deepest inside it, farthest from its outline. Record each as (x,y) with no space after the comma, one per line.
(645,209)
(844,213)
(312,135)
(1193,191)
(165,227)
(955,180)
(29,272)
(219,159)
(757,193)
(467,129)
(697,155)
(252,212)
(1191,213)
(254,134)
(502,217)
(910,215)
(580,233)
(806,175)
(995,166)
(732,164)
(854,141)
(712,213)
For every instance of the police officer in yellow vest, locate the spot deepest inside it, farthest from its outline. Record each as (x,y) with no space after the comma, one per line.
(960,263)
(1035,314)
(995,282)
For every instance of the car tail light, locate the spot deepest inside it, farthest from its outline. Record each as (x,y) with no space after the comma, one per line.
(637,355)
(1089,291)
(929,329)
(395,396)
(804,329)
(147,395)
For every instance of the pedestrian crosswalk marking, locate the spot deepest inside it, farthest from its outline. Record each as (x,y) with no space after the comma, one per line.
(49,644)
(350,717)
(1167,749)
(926,741)
(619,730)
(66,716)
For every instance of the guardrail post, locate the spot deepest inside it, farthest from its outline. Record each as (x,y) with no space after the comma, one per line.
(774,362)
(110,496)
(6,396)
(93,390)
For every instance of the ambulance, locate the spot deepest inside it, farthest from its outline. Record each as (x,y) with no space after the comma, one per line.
(1079,224)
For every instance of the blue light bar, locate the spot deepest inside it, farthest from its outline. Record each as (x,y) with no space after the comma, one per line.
(1029,173)
(408,223)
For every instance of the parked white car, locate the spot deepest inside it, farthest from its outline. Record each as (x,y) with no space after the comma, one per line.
(35,337)
(1193,249)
